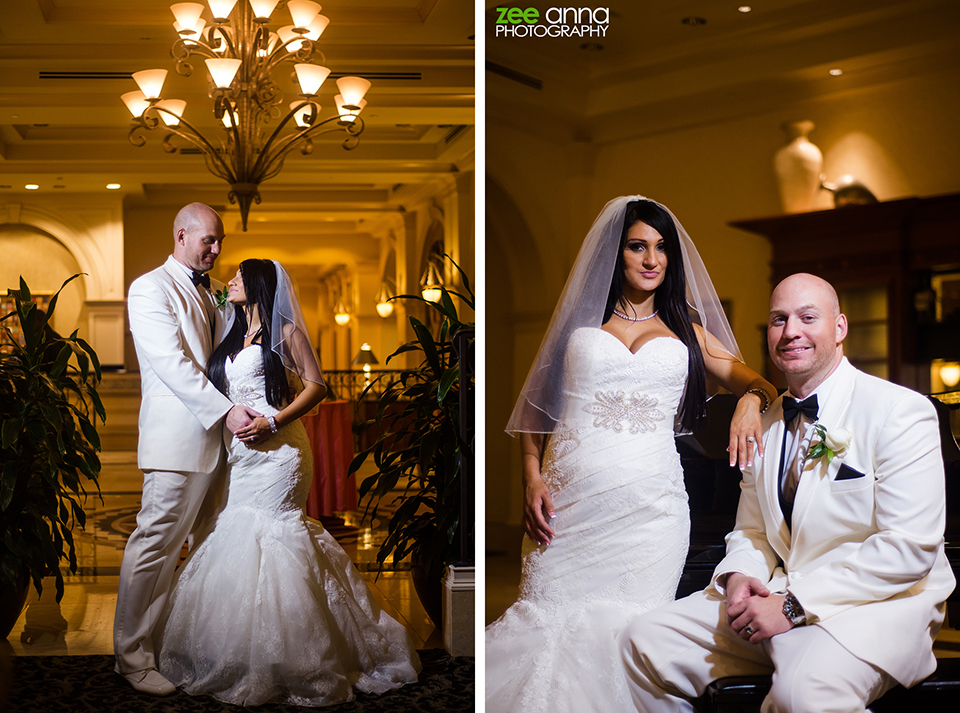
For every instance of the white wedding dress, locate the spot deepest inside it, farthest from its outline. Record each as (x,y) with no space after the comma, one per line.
(269,607)
(622,530)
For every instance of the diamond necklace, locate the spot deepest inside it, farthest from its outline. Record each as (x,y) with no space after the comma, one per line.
(621,315)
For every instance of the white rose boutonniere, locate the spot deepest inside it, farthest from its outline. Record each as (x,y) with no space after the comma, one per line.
(831,444)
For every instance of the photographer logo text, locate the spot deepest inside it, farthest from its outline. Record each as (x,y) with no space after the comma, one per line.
(554,22)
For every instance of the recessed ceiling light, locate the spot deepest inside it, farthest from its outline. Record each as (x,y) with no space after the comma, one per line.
(836,72)
(744,8)
(113,186)
(32,187)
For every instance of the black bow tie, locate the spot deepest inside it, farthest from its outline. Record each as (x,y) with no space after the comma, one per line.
(200,278)
(793,408)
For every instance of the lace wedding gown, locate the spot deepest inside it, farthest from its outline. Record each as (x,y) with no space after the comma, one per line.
(269,607)
(621,532)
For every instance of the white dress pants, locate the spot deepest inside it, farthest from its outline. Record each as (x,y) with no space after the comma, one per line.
(169,508)
(673,653)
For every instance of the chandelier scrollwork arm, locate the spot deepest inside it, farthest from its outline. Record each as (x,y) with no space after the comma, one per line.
(249,102)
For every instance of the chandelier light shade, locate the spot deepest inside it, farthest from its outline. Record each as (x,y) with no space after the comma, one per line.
(302,12)
(310,77)
(262,8)
(171,110)
(352,89)
(223,71)
(150,82)
(365,357)
(348,114)
(136,102)
(304,112)
(187,14)
(221,9)
(243,55)
(430,283)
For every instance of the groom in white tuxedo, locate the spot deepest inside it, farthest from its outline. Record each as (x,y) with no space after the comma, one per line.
(835,576)
(176,325)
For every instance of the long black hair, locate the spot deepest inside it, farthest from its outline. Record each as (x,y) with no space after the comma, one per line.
(670,301)
(260,284)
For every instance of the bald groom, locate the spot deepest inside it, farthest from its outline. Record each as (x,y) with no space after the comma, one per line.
(835,576)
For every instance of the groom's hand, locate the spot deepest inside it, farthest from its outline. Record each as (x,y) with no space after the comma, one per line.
(240,416)
(753,612)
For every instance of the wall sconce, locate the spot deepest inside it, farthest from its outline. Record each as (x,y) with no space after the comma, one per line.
(340,314)
(430,283)
(384,306)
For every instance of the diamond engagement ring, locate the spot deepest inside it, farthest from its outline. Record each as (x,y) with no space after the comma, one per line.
(751,439)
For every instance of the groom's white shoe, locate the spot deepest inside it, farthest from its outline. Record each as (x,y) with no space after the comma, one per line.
(150,681)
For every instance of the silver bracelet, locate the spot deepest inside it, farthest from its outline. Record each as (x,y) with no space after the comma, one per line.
(273,423)
(762,393)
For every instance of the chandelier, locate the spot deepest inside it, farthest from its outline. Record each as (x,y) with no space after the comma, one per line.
(241,53)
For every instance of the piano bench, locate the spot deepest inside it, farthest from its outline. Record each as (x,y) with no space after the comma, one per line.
(938,693)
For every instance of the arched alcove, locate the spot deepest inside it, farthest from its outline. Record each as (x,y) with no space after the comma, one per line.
(517,311)
(44,263)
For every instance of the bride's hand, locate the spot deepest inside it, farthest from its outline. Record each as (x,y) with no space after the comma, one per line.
(537,507)
(746,431)
(258,430)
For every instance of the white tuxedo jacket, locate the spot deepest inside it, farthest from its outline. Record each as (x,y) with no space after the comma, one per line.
(865,556)
(175,328)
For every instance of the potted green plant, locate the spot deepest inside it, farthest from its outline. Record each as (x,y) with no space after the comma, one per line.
(419,443)
(48,448)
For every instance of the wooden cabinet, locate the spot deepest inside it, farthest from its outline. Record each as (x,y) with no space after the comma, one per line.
(889,262)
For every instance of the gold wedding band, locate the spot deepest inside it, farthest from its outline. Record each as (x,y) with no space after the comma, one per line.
(750,632)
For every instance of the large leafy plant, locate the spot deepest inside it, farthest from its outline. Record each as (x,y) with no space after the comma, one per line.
(418,426)
(48,443)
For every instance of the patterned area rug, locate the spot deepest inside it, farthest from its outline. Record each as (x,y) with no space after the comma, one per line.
(41,684)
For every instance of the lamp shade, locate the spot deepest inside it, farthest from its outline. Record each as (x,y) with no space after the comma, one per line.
(310,76)
(348,114)
(950,374)
(301,114)
(150,82)
(365,356)
(384,306)
(263,8)
(223,71)
(291,39)
(192,33)
(431,283)
(317,27)
(187,13)
(302,12)
(352,89)
(175,107)
(135,102)
(221,9)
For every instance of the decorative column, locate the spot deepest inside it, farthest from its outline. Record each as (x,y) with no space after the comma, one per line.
(459,595)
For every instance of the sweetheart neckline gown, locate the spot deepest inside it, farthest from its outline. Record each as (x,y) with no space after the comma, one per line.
(622,532)
(268,607)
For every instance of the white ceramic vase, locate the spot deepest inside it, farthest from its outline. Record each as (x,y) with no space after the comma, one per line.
(798,166)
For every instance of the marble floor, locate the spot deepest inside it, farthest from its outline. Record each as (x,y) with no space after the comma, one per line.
(82,622)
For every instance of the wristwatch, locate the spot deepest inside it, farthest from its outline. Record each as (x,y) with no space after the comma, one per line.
(793,611)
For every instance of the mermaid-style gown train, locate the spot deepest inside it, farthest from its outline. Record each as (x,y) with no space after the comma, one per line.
(621,532)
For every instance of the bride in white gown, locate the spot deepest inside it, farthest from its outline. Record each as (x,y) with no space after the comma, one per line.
(605,512)
(268,607)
